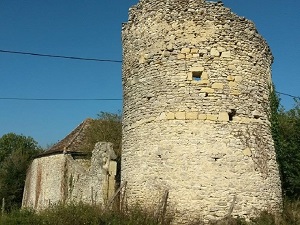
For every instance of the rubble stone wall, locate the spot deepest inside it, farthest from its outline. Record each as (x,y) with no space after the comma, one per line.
(61,178)
(196,82)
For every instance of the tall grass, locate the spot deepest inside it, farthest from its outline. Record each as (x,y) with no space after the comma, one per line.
(81,214)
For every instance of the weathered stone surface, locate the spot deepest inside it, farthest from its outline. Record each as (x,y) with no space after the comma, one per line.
(238,78)
(181,56)
(168,152)
(212,117)
(223,116)
(192,115)
(180,115)
(202,116)
(170,116)
(185,50)
(217,85)
(207,90)
(214,52)
(226,54)
(197,69)
(61,178)
(247,152)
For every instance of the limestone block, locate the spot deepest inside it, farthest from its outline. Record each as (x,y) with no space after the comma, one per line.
(189,76)
(247,152)
(235,92)
(195,55)
(194,50)
(197,69)
(162,116)
(180,115)
(170,116)
(214,52)
(230,78)
(217,85)
(181,56)
(203,51)
(203,82)
(201,116)
(238,78)
(142,60)
(185,50)
(232,84)
(245,120)
(204,76)
(170,47)
(189,56)
(232,67)
(112,168)
(223,116)
(236,119)
(221,49)
(207,90)
(166,53)
(191,115)
(226,54)
(212,117)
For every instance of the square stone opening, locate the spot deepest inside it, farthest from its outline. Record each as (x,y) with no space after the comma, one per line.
(196,75)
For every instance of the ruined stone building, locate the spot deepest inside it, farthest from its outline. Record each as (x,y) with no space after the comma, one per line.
(65,173)
(196,82)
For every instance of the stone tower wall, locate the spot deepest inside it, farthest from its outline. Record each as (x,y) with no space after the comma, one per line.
(196,81)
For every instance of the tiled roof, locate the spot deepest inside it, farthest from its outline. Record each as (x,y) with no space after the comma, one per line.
(72,142)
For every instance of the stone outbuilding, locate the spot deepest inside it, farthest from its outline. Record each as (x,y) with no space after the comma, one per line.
(65,173)
(196,84)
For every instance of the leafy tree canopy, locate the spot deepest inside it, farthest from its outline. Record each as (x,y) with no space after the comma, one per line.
(286,135)
(106,127)
(16,154)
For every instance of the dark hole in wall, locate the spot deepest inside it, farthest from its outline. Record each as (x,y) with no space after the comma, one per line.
(256,116)
(196,75)
(231,114)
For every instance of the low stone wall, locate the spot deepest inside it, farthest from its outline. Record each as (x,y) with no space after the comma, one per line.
(61,178)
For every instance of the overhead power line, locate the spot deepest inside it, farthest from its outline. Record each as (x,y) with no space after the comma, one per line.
(292,96)
(60,56)
(93,99)
(63,99)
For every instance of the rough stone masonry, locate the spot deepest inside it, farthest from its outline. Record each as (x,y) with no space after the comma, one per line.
(196,82)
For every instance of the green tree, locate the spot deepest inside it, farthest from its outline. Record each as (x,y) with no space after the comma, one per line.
(107,127)
(289,150)
(16,154)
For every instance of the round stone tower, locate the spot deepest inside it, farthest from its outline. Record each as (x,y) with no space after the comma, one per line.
(196,81)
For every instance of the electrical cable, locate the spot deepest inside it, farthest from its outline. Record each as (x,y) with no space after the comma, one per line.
(60,56)
(62,99)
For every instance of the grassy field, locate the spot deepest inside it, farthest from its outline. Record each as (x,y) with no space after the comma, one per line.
(81,214)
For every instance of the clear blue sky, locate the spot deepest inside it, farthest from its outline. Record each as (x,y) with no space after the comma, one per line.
(92,29)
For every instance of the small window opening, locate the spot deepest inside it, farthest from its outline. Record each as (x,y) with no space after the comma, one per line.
(232,114)
(256,116)
(206,94)
(197,75)
(159,156)
(149,98)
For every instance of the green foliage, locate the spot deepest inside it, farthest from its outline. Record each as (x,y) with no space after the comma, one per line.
(79,214)
(289,157)
(16,154)
(286,135)
(107,127)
